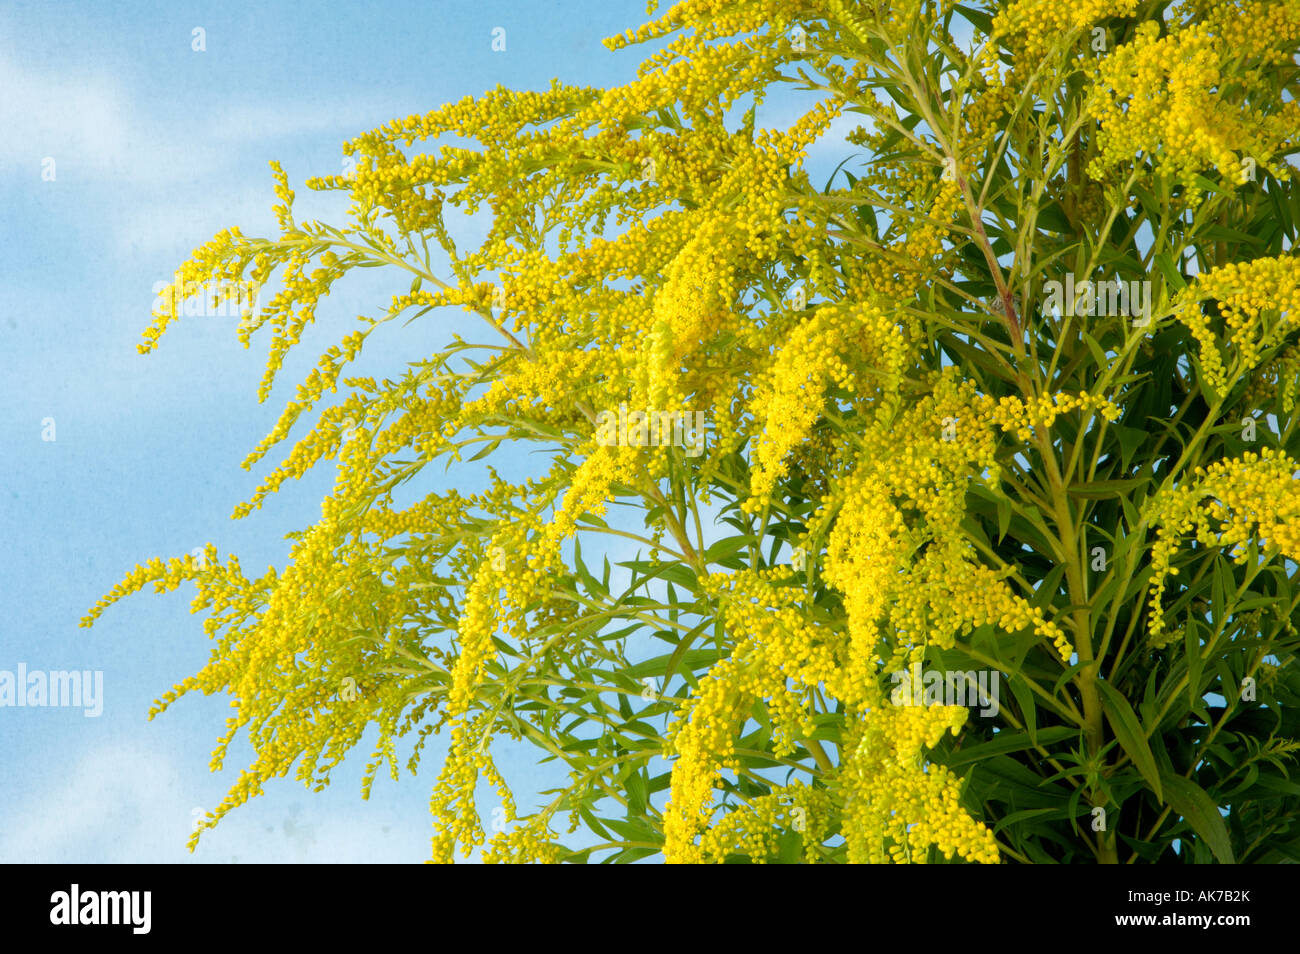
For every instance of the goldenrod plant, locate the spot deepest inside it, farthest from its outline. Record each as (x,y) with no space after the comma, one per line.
(987,551)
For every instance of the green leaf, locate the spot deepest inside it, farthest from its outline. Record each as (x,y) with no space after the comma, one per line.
(487,449)
(1098,353)
(1104,489)
(1195,662)
(1004,779)
(593,824)
(1004,517)
(636,830)
(637,794)
(1173,276)
(1010,741)
(1210,186)
(977,18)
(847,175)
(1221,233)
(1200,811)
(1130,440)
(1015,818)
(693,659)
(590,582)
(789,848)
(1286,852)
(1219,594)
(722,549)
(675,659)
(1052,218)
(1028,708)
(867,217)
(1132,738)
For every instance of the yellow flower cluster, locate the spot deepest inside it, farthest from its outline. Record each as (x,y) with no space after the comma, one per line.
(983,120)
(208,264)
(1022,418)
(896,805)
(686,306)
(1268,29)
(754,830)
(452,805)
(530,843)
(1254,498)
(324,377)
(1166,99)
(904,499)
(775,644)
(1278,378)
(1257,303)
(1032,27)
(913,255)
(790,391)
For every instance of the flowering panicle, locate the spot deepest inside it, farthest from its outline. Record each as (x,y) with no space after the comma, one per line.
(650,248)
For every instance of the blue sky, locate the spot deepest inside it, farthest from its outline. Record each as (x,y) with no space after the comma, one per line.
(155,148)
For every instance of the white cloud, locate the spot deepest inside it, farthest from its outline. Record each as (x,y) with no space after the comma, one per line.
(113,794)
(98,132)
(89,120)
(53,115)
(128,804)
(257,123)
(175,228)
